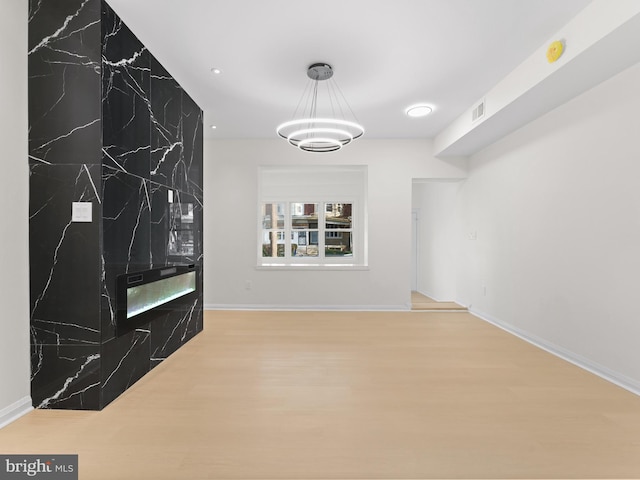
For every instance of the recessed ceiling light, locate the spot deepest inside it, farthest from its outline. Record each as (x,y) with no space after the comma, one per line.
(216,71)
(419,110)
(213,127)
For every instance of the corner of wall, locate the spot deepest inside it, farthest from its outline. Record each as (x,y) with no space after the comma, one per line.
(14,411)
(14,255)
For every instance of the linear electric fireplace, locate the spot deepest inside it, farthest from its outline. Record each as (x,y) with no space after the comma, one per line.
(146,295)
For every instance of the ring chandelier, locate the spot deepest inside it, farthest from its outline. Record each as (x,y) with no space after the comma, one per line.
(321,134)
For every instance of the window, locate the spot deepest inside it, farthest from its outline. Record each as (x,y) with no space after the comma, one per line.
(304,230)
(312,216)
(331,235)
(273,228)
(338,223)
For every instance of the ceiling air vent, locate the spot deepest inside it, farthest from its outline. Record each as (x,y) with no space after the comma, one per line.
(478,111)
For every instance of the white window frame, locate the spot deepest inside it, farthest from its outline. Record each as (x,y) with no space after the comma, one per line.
(321,185)
(322,231)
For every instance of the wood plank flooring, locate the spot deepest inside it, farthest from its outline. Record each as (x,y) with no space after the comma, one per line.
(422,302)
(327,395)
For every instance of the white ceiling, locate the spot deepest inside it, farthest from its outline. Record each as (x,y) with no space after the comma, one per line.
(386,54)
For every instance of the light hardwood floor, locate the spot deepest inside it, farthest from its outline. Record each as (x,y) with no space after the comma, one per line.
(300,395)
(422,302)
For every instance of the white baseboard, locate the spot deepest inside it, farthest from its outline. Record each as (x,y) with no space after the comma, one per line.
(434,297)
(15,411)
(601,371)
(427,294)
(305,308)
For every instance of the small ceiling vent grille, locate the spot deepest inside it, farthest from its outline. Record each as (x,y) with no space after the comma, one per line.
(478,111)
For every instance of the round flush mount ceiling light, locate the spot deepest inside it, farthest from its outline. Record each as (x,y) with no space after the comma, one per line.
(418,110)
(216,71)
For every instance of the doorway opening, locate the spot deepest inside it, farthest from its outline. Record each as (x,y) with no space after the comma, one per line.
(434,247)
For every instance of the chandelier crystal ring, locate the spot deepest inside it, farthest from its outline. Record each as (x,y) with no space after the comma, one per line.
(321,130)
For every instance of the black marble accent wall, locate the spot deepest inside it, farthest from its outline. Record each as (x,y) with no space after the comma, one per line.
(115,158)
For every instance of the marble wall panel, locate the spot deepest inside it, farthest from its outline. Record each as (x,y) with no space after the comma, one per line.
(125,360)
(195,323)
(174,329)
(193,146)
(66,376)
(125,214)
(64,81)
(108,300)
(167,131)
(64,261)
(160,224)
(126,236)
(125,98)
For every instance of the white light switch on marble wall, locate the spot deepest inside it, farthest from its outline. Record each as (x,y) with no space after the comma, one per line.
(81,212)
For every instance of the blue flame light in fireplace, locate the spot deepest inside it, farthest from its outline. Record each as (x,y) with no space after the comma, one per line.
(146,295)
(142,298)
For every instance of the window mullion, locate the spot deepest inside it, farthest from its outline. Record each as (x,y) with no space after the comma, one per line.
(321,231)
(287,231)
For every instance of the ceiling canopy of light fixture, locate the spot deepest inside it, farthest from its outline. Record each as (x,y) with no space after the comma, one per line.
(321,128)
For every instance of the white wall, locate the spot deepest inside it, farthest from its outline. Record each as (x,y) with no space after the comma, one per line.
(14,196)
(536,87)
(556,208)
(438,242)
(231,169)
